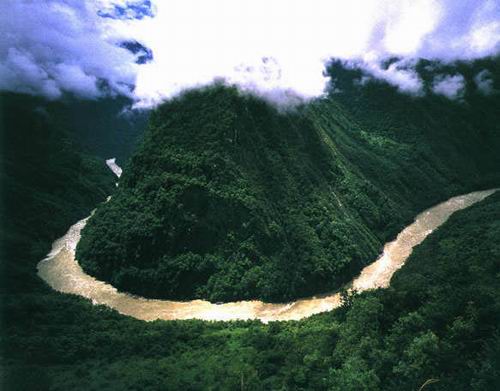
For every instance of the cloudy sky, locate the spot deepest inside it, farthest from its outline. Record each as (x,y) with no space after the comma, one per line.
(151,50)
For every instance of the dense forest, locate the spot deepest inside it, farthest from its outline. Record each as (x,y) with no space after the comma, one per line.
(437,324)
(229,198)
(105,127)
(46,183)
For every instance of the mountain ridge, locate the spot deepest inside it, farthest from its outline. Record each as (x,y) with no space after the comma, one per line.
(227,198)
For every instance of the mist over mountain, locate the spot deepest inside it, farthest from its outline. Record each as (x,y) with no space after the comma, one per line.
(150,51)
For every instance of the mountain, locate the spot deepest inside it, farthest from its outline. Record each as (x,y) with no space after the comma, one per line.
(46,182)
(52,170)
(438,320)
(229,198)
(105,127)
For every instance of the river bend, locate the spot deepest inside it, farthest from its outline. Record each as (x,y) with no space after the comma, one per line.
(62,272)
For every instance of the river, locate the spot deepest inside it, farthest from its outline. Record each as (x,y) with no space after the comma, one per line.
(62,272)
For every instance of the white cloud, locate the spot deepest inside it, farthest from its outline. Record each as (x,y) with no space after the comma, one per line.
(71,77)
(400,73)
(409,23)
(53,46)
(484,82)
(276,48)
(21,73)
(195,42)
(450,86)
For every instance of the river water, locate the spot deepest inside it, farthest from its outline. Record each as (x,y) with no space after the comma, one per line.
(62,272)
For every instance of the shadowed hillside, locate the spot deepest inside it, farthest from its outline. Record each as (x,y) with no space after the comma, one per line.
(46,184)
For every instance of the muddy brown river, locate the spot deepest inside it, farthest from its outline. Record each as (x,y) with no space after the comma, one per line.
(62,272)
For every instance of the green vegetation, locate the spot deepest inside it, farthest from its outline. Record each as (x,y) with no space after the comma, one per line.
(105,127)
(227,198)
(46,184)
(439,320)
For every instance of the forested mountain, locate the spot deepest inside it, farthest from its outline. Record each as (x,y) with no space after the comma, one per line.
(229,198)
(105,127)
(52,171)
(439,320)
(47,183)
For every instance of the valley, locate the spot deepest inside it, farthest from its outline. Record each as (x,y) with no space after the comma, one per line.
(373,157)
(61,271)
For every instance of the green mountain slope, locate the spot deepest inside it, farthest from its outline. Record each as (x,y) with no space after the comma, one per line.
(46,185)
(227,198)
(439,320)
(105,127)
